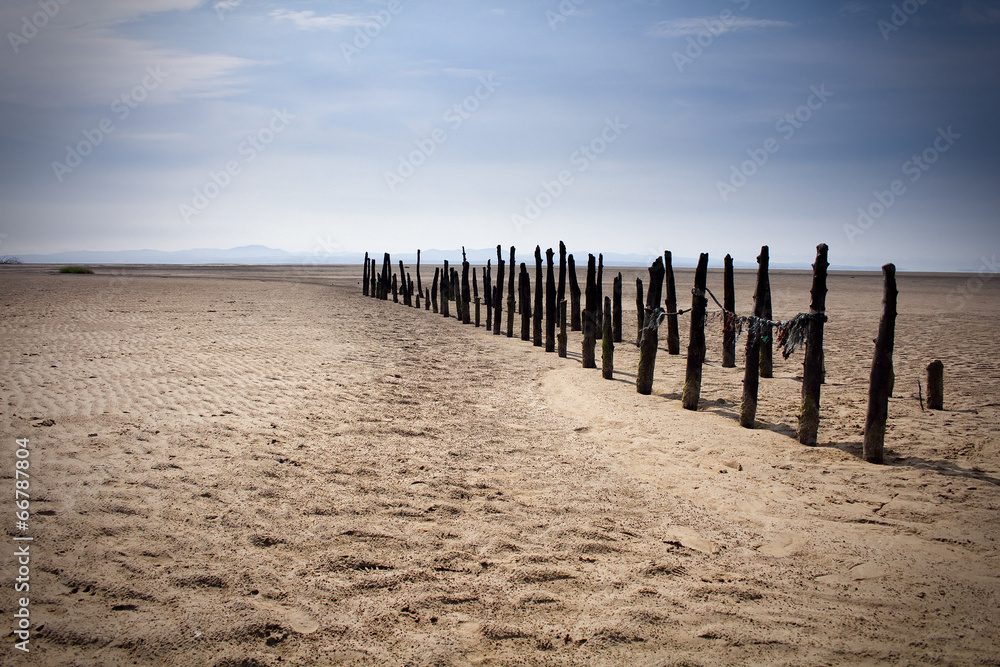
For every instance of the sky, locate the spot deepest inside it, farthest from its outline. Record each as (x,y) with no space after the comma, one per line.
(627,127)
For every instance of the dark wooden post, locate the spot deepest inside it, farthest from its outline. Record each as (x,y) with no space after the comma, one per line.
(372,275)
(445,289)
(386,276)
(427,300)
(395,290)
(562,329)
(475,295)
(405,285)
(766,342)
(640,311)
(498,298)
(882,377)
(488,293)
(751,373)
(510,297)
(524,289)
(364,280)
(420,287)
(466,296)
(574,296)
(456,292)
(812,366)
(935,385)
(600,295)
(561,291)
(728,318)
(434,289)
(590,315)
(539,300)
(673,332)
(415,295)
(616,309)
(550,302)
(696,345)
(607,344)
(650,335)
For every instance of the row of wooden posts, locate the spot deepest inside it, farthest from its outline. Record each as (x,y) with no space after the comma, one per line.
(601,318)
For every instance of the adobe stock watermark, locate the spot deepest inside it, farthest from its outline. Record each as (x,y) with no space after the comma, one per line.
(709,30)
(363,35)
(224,7)
(914,169)
(455,116)
(37,21)
(248,149)
(566,9)
(786,127)
(121,108)
(962,293)
(580,159)
(899,17)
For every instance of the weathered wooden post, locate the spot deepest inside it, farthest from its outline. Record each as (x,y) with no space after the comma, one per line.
(466,295)
(563,338)
(550,302)
(475,295)
(607,344)
(498,298)
(445,289)
(751,373)
(882,377)
(395,290)
(561,292)
(372,275)
(650,336)
(405,285)
(364,280)
(728,317)
(416,295)
(386,277)
(812,366)
(574,296)
(434,289)
(524,289)
(427,300)
(640,311)
(488,294)
(590,315)
(420,287)
(673,332)
(616,309)
(539,287)
(696,345)
(510,297)
(935,385)
(600,295)
(766,342)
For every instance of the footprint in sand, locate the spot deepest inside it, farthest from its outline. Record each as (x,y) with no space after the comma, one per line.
(783,544)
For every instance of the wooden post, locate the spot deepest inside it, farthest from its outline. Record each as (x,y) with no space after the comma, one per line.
(456,293)
(600,295)
(616,309)
(372,277)
(395,290)
(498,298)
(607,344)
(434,289)
(673,333)
(488,294)
(935,385)
(420,287)
(386,277)
(590,316)
(574,296)
(510,297)
(416,295)
(466,296)
(812,366)
(561,291)
(650,336)
(539,299)
(405,285)
(751,373)
(696,345)
(427,300)
(524,289)
(640,311)
(445,289)
(562,338)
(728,319)
(364,280)
(882,377)
(475,295)
(550,302)
(766,342)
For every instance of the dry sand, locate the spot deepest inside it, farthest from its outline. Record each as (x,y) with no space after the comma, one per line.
(254,466)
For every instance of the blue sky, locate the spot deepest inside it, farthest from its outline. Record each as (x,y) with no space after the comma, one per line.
(626,127)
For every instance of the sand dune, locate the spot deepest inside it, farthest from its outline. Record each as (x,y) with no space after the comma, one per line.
(251,465)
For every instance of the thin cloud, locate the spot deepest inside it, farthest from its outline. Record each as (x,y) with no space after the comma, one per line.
(713,24)
(308,20)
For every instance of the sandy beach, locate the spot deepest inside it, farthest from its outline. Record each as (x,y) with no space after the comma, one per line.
(261,466)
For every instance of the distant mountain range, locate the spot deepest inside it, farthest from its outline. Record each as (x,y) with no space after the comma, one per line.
(258,254)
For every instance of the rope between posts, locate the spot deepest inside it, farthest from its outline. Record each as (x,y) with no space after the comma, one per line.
(654,318)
